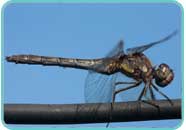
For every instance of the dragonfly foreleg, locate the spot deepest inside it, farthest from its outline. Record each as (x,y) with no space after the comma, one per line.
(162,94)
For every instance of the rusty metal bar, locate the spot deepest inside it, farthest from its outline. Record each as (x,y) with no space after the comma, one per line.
(90,113)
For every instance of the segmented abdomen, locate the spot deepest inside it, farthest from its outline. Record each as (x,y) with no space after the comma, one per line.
(103,65)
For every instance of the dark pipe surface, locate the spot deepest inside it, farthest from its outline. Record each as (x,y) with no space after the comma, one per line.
(90,113)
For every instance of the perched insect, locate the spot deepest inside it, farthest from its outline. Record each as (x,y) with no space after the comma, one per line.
(101,80)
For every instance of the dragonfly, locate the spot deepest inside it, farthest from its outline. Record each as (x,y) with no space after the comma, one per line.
(101,82)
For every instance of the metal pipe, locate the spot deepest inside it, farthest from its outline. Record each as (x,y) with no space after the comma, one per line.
(90,113)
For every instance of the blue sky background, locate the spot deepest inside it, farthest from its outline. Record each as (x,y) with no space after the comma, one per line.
(84,31)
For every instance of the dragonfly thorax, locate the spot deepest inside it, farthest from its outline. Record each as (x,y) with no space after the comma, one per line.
(137,66)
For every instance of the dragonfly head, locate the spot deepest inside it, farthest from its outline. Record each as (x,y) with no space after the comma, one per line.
(163,75)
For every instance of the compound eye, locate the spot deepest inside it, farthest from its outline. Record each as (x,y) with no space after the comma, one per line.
(164,75)
(163,67)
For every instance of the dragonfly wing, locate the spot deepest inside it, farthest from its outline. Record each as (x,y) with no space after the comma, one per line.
(99,87)
(117,50)
(142,48)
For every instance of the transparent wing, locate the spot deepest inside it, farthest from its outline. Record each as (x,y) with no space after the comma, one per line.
(117,50)
(99,87)
(142,48)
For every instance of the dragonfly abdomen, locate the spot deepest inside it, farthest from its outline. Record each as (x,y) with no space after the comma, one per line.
(32,59)
(87,64)
(45,60)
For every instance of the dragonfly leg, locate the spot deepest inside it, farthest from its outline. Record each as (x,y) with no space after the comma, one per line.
(152,103)
(142,93)
(152,94)
(118,83)
(148,101)
(134,84)
(162,94)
